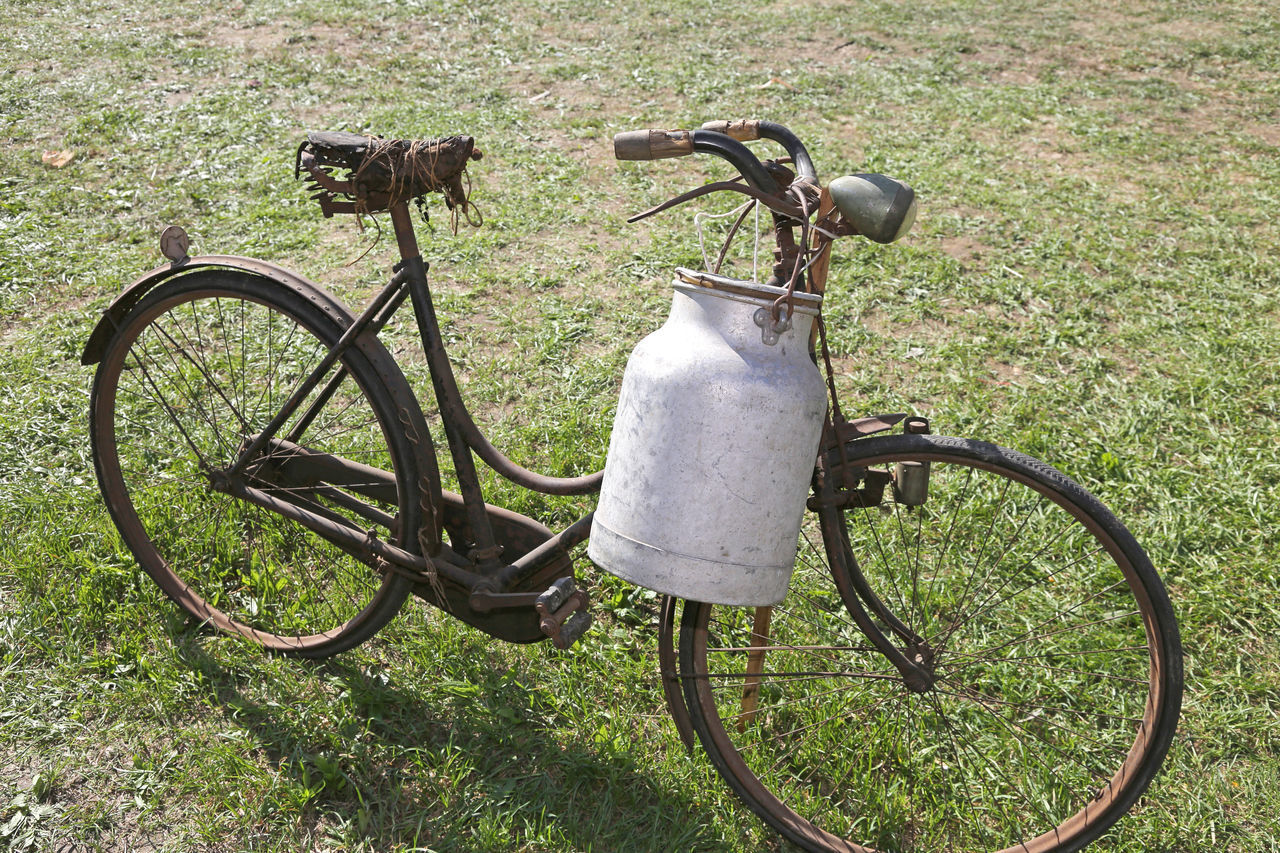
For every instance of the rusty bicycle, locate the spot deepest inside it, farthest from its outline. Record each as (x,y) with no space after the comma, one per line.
(969,652)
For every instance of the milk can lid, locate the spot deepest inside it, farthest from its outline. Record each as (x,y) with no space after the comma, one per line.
(805,303)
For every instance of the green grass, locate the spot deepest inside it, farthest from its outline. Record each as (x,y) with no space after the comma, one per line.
(1092,280)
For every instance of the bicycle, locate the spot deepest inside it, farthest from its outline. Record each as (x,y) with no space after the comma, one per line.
(973,652)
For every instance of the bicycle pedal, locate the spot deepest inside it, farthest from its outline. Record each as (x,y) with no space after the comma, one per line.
(573,629)
(562,609)
(555,596)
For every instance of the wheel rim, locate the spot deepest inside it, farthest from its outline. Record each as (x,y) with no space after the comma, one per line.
(1048,712)
(191,378)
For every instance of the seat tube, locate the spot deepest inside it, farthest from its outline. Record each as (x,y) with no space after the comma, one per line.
(486,551)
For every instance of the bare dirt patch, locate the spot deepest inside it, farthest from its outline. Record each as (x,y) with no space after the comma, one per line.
(964,249)
(919,331)
(1268,133)
(350,41)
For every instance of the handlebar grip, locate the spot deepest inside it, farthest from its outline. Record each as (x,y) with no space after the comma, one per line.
(652,144)
(743,130)
(748,130)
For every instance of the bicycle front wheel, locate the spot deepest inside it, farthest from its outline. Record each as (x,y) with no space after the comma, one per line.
(1051,660)
(193,374)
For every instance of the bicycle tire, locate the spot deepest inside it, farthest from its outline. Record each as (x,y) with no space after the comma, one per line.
(1054,651)
(198,367)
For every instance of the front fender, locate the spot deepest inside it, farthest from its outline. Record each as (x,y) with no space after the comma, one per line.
(122,304)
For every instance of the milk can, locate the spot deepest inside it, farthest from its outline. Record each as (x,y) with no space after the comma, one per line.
(713,446)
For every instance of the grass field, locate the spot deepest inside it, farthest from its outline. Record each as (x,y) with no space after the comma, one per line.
(1094,279)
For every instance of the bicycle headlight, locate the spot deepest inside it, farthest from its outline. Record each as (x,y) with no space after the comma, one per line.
(879,207)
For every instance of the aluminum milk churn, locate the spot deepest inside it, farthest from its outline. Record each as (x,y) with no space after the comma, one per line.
(713,446)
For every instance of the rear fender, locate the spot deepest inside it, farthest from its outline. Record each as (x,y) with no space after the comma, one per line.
(122,304)
(384,362)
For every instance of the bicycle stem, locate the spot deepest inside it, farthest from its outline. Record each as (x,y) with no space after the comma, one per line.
(768,180)
(721,144)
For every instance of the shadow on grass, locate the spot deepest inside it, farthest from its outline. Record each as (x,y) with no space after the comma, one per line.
(393,769)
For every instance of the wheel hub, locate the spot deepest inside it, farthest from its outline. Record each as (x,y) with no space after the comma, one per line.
(922,677)
(219,481)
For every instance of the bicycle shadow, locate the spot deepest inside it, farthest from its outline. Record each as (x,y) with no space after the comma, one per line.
(408,773)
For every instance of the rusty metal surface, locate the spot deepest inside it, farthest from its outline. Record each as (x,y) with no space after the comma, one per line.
(743,130)
(652,144)
(561,610)
(358,543)
(139,288)
(668,667)
(846,431)
(760,643)
(381,173)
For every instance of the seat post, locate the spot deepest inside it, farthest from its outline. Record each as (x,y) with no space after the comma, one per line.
(402,222)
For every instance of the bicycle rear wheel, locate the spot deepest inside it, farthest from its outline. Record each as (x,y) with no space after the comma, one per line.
(1052,654)
(194,372)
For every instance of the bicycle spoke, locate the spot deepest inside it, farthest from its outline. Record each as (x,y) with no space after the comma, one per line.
(200,374)
(1047,578)
(987,703)
(194,350)
(1027,719)
(193,397)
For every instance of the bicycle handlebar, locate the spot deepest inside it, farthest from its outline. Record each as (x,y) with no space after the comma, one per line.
(880,208)
(722,138)
(747,130)
(660,144)
(652,144)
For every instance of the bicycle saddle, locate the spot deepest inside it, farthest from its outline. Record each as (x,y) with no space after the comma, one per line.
(382,172)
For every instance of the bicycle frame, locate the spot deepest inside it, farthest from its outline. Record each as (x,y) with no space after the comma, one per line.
(485,586)
(484,582)
(513,578)
(509,559)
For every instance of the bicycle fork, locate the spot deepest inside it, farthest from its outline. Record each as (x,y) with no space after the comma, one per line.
(834,490)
